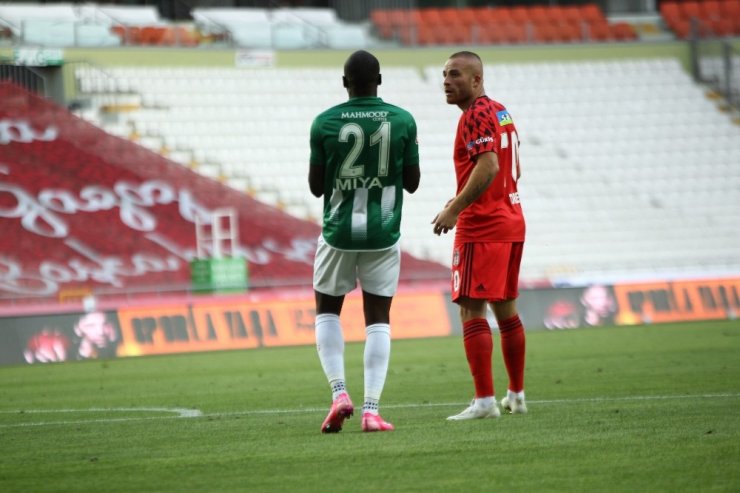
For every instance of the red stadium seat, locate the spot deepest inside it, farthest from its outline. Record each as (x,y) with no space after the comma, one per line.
(539,14)
(691,9)
(730,9)
(670,9)
(520,14)
(569,32)
(452,16)
(431,17)
(682,29)
(599,31)
(153,35)
(499,15)
(622,31)
(381,19)
(592,13)
(184,36)
(468,15)
(710,10)
(722,27)
(516,33)
(544,32)
(405,23)
(572,14)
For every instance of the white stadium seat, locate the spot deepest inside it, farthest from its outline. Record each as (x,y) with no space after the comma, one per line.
(618,176)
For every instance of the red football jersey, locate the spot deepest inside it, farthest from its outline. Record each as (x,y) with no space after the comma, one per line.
(496,215)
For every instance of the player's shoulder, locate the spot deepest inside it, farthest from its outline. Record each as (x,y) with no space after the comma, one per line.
(485,104)
(487,109)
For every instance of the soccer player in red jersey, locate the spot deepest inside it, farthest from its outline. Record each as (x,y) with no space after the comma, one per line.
(489,238)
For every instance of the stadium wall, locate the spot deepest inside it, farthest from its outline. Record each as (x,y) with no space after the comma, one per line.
(274,319)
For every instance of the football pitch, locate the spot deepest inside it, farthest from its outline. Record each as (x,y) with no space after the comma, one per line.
(648,408)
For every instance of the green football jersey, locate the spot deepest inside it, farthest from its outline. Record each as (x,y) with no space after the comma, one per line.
(364,144)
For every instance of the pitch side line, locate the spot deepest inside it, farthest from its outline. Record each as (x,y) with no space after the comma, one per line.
(453,404)
(178,413)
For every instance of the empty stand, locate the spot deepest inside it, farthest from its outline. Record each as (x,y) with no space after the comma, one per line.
(707,18)
(618,176)
(99,211)
(499,25)
(55,25)
(282,28)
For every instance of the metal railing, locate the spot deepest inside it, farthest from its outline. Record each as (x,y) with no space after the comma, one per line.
(714,62)
(26,77)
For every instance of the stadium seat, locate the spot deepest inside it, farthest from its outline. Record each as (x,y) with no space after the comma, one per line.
(690,9)
(710,10)
(347,37)
(592,13)
(599,31)
(381,20)
(622,31)
(545,32)
(520,14)
(432,17)
(622,162)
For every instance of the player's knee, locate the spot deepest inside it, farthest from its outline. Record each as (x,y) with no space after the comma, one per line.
(471,309)
(504,310)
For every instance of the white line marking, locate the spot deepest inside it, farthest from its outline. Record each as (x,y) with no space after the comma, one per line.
(454,404)
(177,412)
(182,412)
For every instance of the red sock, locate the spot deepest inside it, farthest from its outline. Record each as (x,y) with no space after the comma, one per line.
(513,346)
(478,349)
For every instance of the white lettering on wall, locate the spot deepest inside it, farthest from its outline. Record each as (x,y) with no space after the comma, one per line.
(41,214)
(89,265)
(22,131)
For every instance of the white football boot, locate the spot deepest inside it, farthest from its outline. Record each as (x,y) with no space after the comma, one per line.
(476,410)
(514,405)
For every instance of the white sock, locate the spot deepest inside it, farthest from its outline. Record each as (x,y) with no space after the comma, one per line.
(485,401)
(377,355)
(370,406)
(337,388)
(515,395)
(330,345)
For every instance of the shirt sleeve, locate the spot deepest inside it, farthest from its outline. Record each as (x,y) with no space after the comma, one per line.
(411,153)
(480,132)
(318,158)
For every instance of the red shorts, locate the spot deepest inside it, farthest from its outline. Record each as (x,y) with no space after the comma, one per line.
(488,271)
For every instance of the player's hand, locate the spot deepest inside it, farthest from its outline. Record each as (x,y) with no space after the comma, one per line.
(444,221)
(438,228)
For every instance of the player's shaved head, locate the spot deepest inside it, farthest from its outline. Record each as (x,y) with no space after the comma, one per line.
(362,74)
(474,63)
(463,78)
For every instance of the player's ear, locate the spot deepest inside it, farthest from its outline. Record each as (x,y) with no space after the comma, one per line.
(380,79)
(344,81)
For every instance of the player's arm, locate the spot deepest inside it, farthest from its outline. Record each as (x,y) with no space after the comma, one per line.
(316,179)
(317,160)
(411,178)
(411,169)
(483,173)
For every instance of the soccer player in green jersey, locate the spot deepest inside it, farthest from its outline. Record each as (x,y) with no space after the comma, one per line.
(364,154)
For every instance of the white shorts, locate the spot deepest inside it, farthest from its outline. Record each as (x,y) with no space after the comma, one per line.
(335,272)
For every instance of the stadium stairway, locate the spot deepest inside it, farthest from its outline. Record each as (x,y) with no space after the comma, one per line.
(81,207)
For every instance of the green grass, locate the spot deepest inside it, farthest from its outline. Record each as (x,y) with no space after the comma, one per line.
(615,409)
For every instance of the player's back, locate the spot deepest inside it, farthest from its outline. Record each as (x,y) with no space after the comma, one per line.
(364,144)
